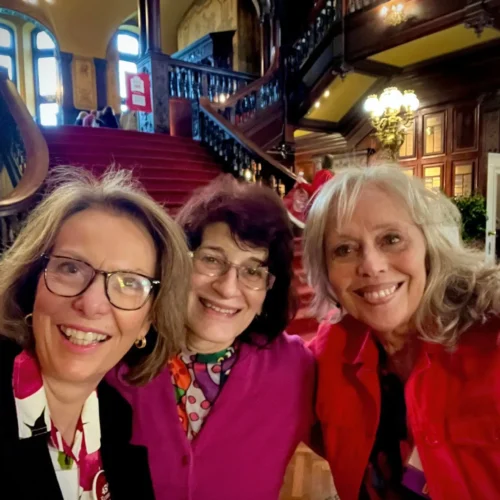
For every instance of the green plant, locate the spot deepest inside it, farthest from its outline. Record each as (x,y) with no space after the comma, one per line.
(473,211)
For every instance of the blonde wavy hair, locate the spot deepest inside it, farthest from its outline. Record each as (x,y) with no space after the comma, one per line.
(72,190)
(460,289)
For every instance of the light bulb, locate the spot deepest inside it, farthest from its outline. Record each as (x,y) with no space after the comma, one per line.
(378,110)
(371,103)
(410,100)
(317,104)
(391,99)
(384,11)
(326,95)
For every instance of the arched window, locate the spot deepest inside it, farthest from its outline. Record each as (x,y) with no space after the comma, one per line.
(46,78)
(128,50)
(8,50)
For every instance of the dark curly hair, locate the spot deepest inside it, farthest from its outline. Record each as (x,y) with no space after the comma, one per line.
(256,217)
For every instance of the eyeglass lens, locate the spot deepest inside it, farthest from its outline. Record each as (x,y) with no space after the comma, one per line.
(69,277)
(212,264)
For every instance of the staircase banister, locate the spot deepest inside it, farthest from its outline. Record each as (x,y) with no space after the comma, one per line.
(208,69)
(251,87)
(240,137)
(37,153)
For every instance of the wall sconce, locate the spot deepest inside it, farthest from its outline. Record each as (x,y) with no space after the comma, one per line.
(393,15)
(391,114)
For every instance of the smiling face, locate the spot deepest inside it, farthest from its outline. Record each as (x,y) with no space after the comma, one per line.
(221,308)
(376,262)
(79,339)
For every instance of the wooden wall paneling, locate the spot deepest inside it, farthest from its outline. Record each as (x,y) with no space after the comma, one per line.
(431,175)
(434,133)
(465,127)
(409,150)
(466,183)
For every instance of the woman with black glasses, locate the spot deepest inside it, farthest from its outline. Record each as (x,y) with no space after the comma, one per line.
(224,417)
(85,284)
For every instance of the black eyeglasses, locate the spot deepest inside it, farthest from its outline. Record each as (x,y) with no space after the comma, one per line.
(68,277)
(209,263)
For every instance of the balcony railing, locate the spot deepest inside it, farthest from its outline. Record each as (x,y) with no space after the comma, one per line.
(314,34)
(192,81)
(354,5)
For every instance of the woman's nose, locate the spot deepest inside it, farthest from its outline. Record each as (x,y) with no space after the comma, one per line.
(94,301)
(372,262)
(228,284)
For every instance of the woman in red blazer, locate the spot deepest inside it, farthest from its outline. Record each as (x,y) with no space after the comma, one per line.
(409,379)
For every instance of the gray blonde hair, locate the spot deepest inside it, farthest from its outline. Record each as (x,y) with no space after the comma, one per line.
(460,288)
(72,190)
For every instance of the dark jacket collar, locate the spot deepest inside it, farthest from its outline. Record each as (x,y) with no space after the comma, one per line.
(25,466)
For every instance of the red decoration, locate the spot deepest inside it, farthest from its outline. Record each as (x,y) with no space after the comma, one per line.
(138,92)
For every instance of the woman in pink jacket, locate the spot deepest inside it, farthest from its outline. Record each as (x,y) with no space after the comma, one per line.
(223,418)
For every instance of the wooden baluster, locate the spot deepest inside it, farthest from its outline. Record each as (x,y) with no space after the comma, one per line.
(171,83)
(184,88)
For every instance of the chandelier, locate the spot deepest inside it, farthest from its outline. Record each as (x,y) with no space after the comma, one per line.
(391,114)
(394,14)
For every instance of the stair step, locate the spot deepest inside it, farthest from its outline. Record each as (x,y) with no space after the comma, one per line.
(130,148)
(183,185)
(121,162)
(68,151)
(164,173)
(90,132)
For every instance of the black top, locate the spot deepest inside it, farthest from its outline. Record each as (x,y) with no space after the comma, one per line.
(108,120)
(26,471)
(385,470)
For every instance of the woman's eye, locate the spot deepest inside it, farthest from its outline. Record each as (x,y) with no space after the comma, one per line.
(392,239)
(255,272)
(210,260)
(343,251)
(68,268)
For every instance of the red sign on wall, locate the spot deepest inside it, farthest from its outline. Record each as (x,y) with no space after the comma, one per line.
(138,92)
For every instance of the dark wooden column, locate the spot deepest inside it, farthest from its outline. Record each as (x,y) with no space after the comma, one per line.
(153,26)
(265,42)
(141,21)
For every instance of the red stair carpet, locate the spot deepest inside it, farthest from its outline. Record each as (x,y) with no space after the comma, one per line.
(170,168)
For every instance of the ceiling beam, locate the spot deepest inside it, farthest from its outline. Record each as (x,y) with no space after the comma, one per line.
(375,68)
(323,126)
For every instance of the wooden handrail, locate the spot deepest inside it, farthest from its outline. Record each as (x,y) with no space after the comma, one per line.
(240,137)
(37,153)
(208,69)
(252,87)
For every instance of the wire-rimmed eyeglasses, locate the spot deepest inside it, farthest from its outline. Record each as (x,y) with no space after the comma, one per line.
(209,263)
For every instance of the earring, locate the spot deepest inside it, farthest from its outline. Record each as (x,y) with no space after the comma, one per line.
(28,319)
(141,343)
